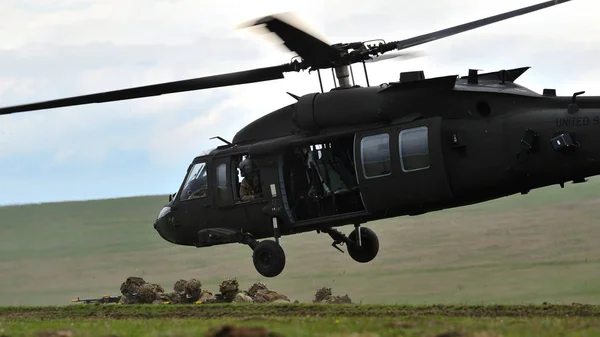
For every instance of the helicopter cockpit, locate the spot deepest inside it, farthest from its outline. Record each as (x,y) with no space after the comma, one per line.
(196,183)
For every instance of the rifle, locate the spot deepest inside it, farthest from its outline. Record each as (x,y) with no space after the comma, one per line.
(104,299)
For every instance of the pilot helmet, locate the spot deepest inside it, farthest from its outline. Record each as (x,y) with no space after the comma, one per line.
(246,167)
(196,185)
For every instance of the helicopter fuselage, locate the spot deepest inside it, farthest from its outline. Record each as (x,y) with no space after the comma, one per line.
(356,155)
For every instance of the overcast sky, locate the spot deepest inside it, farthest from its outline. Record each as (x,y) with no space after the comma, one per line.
(55,48)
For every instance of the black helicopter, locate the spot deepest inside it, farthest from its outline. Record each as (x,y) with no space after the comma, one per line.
(358,154)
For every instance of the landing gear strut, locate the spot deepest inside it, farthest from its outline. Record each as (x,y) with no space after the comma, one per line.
(363,244)
(267,255)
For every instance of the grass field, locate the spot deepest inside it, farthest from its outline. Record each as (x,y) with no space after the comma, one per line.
(303,320)
(542,247)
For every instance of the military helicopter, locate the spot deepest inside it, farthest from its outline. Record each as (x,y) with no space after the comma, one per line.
(358,154)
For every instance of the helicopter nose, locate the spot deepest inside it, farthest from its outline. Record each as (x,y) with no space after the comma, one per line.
(163,225)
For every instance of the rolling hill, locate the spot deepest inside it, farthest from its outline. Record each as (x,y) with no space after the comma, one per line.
(541,247)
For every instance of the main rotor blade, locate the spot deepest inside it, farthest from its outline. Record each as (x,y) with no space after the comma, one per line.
(396,55)
(241,77)
(403,44)
(313,51)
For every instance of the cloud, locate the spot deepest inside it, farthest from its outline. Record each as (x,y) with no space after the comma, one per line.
(70,47)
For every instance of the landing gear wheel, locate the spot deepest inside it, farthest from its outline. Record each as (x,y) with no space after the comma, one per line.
(369,245)
(268,258)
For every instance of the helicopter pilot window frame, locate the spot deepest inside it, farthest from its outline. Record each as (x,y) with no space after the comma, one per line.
(200,191)
(375,155)
(414,149)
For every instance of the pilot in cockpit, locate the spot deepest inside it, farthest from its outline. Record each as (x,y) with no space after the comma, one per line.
(250,187)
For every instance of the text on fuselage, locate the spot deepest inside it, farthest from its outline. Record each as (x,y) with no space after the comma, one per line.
(577,121)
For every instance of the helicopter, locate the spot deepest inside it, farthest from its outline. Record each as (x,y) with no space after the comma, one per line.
(356,154)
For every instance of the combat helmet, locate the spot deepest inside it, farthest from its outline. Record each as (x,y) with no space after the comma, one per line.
(246,167)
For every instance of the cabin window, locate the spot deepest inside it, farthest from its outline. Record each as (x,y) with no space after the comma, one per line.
(375,155)
(222,181)
(196,183)
(414,149)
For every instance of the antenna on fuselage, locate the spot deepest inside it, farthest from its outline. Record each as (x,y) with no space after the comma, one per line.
(221,139)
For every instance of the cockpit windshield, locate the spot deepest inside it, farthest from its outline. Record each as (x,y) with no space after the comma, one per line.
(196,183)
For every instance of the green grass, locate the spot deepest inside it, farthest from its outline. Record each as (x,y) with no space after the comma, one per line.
(350,327)
(305,320)
(255,310)
(541,247)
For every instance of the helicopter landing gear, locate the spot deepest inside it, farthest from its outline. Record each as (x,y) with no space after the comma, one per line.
(363,244)
(366,247)
(267,255)
(268,258)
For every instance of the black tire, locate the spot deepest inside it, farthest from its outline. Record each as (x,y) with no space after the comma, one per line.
(268,258)
(369,245)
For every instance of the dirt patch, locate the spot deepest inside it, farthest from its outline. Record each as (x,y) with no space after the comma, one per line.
(251,310)
(234,331)
(56,333)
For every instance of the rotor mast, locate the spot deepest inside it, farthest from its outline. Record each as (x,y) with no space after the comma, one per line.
(342,73)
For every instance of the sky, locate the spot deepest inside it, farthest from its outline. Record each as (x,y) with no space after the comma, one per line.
(58,48)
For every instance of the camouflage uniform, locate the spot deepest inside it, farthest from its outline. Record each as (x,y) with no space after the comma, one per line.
(136,290)
(228,289)
(260,294)
(242,298)
(186,291)
(324,295)
(130,290)
(250,191)
(207,297)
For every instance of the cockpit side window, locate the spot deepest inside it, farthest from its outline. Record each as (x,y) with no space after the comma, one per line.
(196,183)
(221,178)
